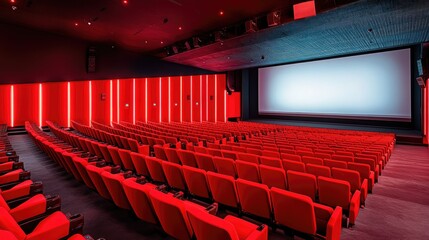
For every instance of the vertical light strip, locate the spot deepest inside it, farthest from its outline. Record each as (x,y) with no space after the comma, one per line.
(117,101)
(68,104)
(181,116)
(215,98)
(40,105)
(160,100)
(134,101)
(191,99)
(207,98)
(169,99)
(145,99)
(111,103)
(12,110)
(90,103)
(425,112)
(224,106)
(201,98)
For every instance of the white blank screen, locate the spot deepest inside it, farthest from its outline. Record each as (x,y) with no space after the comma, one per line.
(370,86)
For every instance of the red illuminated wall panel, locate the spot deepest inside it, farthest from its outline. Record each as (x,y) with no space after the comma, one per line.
(79,102)
(5,114)
(140,100)
(54,102)
(221,84)
(26,103)
(186,98)
(164,99)
(212,99)
(126,100)
(233,105)
(153,99)
(101,101)
(175,99)
(196,101)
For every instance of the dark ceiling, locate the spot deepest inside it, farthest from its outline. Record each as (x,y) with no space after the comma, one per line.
(152,26)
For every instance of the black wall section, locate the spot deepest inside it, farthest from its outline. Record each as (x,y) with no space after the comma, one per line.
(34,56)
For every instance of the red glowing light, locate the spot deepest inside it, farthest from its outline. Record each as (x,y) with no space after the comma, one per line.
(76,24)
(180,28)
(12,1)
(221,13)
(125,2)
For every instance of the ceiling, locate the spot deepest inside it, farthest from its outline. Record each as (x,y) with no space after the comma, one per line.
(151,26)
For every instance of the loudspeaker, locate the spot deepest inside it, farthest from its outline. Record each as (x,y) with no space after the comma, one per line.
(250,26)
(304,10)
(91,60)
(421,82)
(233,81)
(273,18)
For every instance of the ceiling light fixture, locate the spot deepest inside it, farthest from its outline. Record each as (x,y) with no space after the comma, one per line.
(162,42)
(180,28)
(76,24)
(12,1)
(221,13)
(125,2)
(89,23)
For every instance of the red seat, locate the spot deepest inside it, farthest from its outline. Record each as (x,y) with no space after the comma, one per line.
(293,165)
(274,154)
(273,177)
(291,157)
(209,227)
(196,180)
(353,177)
(114,153)
(225,166)
(371,163)
(174,175)
(318,170)
(252,158)
(223,189)
(271,161)
(139,163)
(113,184)
(302,183)
(171,155)
(342,158)
(138,195)
(105,153)
(202,150)
(312,160)
(365,173)
(94,173)
(205,161)
(159,152)
(247,171)
(14,176)
(154,165)
(229,154)
(299,213)
(254,198)
(125,156)
(334,192)
(187,158)
(334,163)
(80,164)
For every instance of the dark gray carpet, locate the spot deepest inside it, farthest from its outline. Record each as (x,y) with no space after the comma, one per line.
(398,208)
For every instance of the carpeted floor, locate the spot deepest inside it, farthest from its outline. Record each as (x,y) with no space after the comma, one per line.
(398,208)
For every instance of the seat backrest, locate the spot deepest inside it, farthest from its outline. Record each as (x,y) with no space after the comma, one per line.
(171,214)
(239,149)
(116,159)
(302,183)
(223,189)
(205,161)
(294,211)
(229,154)
(312,160)
(271,161)
(334,163)
(293,165)
(214,152)
(291,157)
(125,156)
(187,158)
(318,170)
(274,154)
(210,227)
(273,177)
(105,152)
(351,176)
(334,192)
(248,171)
(254,198)
(363,169)
(254,151)
(198,149)
(8,223)
(342,158)
(322,155)
(364,160)
(139,163)
(95,174)
(196,180)
(138,196)
(252,158)
(171,155)
(113,183)
(159,152)
(174,175)
(305,153)
(6,235)
(154,165)
(225,166)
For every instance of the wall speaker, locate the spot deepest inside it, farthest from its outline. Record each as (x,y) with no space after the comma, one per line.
(273,18)
(233,81)
(304,10)
(421,82)
(251,26)
(91,60)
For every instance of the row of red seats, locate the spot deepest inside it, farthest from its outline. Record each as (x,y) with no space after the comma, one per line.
(25,213)
(183,179)
(161,207)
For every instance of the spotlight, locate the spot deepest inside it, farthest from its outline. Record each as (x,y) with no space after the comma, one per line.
(127,105)
(89,23)
(221,13)
(76,24)
(125,2)
(154,104)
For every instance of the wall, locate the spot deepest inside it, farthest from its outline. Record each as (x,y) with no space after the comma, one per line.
(192,98)
(29,56)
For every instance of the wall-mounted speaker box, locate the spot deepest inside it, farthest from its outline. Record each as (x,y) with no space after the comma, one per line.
(423,59)
(91,60)
(421,81)
(251,26)
(103,97)
(273,18)
(304,10)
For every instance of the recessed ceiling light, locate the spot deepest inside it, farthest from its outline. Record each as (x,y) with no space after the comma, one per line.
(12,1)
(145,41)
(180,28)
(125,1)
(162,42)
(14,8)
(221,13)
(76,24)
(89,23)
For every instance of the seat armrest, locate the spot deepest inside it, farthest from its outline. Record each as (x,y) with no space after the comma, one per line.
(354,207)
(364,191)
(76,223)
(333,228)
(212,209)
(260,233)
